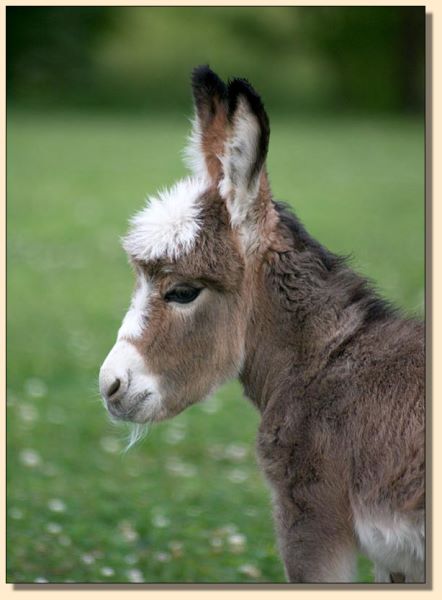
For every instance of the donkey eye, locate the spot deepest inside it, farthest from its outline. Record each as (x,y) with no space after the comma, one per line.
(182,294)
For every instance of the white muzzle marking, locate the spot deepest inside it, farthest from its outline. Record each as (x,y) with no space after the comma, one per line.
(135,318)
(129,391)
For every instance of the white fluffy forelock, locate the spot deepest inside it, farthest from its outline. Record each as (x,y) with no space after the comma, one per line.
(169,224)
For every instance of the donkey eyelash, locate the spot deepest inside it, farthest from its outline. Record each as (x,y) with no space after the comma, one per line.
(182,294)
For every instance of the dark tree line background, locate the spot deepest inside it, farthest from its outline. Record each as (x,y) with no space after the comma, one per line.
(308,58)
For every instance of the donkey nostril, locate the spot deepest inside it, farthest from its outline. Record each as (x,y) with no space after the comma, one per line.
(114,388)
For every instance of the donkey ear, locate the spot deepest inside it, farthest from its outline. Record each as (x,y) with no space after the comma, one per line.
(209,124)
(245,150)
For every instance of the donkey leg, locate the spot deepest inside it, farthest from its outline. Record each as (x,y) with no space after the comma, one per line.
(315,546)
(327,561)
(416,574)
(397,577)
(381,573)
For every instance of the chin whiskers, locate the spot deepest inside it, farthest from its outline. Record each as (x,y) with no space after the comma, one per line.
(137,433)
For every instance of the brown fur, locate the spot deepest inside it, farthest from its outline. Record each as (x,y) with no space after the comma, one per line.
(213,140)
(336,373)
(215,263)
(342,413)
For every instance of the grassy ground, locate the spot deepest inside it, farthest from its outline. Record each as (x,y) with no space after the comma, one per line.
(188,504)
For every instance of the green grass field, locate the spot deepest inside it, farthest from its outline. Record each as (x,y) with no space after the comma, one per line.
(188,504)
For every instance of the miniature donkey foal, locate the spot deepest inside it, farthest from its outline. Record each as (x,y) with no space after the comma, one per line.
(229,283)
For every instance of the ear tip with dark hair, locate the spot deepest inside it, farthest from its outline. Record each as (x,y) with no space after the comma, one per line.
(200,73)
(241,87)
(206,82)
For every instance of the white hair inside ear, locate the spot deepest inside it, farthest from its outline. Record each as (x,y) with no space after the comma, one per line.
(193,154)
(239,185)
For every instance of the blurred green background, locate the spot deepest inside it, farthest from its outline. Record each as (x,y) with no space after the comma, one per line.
(98,107)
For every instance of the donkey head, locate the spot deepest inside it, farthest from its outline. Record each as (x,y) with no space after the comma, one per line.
(194,249)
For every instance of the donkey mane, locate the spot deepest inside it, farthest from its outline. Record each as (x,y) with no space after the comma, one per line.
(353,288)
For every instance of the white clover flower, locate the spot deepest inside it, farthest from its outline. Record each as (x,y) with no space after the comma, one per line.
(162,556)
(237,542)
(135,576)
(176,548)
(127,531)
(30,458)
(181,469)
(88,559)
(110,444)
(174,436)
(36,387)
(236,452)
(160,521)
(250,570)
(50,470)
(54,528)
(56,505)
(64,540)
(16,513)
(237,476)
(28,412)
(56,415)
(211,406)
(216,542)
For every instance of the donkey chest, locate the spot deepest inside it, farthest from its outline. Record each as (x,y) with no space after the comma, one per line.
(291,456)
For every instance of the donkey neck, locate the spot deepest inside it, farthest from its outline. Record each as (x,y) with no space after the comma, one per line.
(306,305)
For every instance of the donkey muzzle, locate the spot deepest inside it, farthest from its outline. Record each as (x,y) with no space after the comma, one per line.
(128,390)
